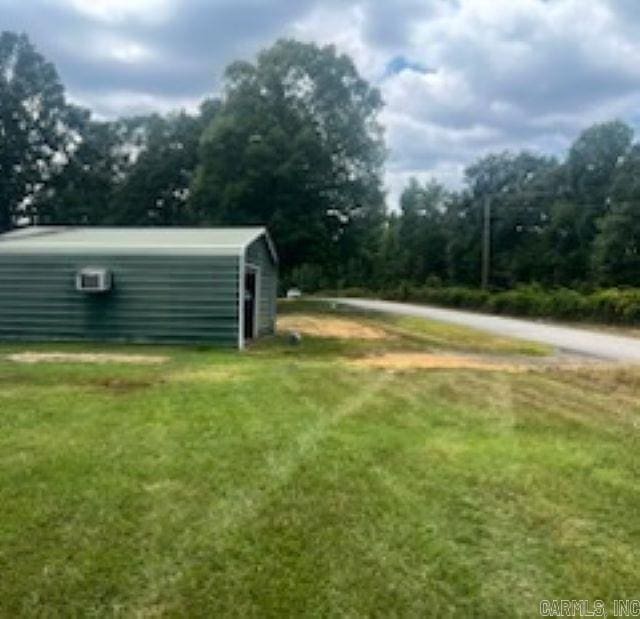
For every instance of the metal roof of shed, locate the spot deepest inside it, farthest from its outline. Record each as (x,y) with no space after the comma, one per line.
(179,241)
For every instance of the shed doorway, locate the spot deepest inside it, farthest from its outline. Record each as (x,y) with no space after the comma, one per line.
(251,290)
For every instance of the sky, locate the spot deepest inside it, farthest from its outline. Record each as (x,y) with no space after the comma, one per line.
(460,78)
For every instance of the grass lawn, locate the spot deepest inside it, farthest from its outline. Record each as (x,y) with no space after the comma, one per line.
(287,481)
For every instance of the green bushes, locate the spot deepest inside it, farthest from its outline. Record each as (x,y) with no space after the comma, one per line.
(452,297)
(615,305)
(612,305)
(352,291)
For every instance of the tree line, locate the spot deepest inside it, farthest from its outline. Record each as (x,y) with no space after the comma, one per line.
(573,222)
(294,142)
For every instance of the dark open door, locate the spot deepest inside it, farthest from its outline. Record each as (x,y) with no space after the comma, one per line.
(249,304)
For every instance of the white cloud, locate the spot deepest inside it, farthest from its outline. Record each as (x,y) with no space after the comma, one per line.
(342,26)
(128,51)
(106,47)
(527,74)
(443,93)
(114,11)
(132,103)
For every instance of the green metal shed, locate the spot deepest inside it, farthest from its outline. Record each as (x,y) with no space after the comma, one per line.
(170,285)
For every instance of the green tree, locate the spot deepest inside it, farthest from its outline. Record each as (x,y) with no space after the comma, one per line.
(387,269)
(296,146)
(617,246)
(589,172)
(464,225)
(520,189)
(422,233)
(592,163)
(36,127)
(155,190)
(82,192)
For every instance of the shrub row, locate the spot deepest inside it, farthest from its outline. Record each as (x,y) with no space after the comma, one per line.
(612,305)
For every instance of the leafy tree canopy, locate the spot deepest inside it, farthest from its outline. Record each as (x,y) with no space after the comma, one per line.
(156,189)
(296,146)
(593,159)
(37,127)
(617,246)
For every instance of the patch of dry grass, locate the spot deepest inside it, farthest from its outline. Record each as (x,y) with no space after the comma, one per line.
(330,326)
(374,332)
(427,361)
(77,357)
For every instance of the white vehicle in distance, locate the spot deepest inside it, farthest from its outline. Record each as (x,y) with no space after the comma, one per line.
(294,293)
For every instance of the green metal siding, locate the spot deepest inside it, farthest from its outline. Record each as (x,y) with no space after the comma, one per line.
(258,254)
(167,298)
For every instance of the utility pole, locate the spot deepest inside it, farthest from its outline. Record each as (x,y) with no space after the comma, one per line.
(486,242)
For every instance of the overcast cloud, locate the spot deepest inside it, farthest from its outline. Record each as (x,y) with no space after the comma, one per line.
(459,77)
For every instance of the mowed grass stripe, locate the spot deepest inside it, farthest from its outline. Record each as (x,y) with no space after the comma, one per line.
(240,506)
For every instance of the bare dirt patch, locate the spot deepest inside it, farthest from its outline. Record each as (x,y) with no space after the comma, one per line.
(326,326)
(425,361)
(60,357)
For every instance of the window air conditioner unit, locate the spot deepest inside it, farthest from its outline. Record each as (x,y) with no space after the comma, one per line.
(94,280)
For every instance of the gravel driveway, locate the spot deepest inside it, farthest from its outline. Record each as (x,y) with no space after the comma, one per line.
(567,339)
